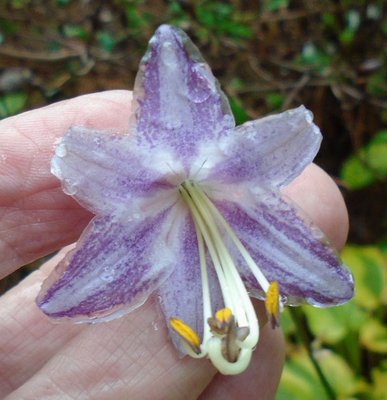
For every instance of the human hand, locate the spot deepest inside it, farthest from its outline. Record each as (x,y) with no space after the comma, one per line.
(132,357)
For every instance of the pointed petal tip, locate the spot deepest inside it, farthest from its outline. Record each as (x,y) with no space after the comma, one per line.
(166,34)
(177,103)
(166,29)
(344,291)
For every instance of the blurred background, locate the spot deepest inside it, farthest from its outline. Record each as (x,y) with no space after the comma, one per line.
(268,55)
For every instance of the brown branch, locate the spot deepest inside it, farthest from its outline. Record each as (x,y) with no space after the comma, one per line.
(59,55)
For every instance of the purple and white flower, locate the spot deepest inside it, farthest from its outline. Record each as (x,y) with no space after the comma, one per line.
(189,206)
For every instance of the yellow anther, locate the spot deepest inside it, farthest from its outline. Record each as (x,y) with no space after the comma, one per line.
(272,303)
(224,315)
(187,333)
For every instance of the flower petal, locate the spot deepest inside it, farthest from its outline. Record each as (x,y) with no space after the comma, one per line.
(287,249)
(269,151)
(177,101)
(181,294)
(112,270)
(108,174)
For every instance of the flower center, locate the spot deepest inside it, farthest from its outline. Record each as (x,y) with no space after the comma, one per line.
(230,334)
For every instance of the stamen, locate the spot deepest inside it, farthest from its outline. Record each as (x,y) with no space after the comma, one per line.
(243,251)
(230,335)
(187,333)
(272,303)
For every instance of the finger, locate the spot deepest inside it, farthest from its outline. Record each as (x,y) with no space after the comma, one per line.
(319,197)
(126,358)
(27,338)
(36,217)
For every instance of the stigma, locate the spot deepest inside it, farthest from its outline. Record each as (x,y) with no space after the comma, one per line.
(230,334)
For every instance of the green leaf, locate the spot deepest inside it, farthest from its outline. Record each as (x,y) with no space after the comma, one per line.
(222,19)
(239,112)
(12,103)
(107,40)
(314,57)
(275,100)
(356,174)
(377,153)
(368,165)
(377,82)
(373,336)
(300,381)
(331,325)
(275,5)
(287,323)
(75,31)
(368,264)
(379,382)
(338,373)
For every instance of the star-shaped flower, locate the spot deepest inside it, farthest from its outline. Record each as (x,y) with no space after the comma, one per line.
(188,206)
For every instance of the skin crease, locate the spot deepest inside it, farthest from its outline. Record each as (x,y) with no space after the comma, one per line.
(130,357)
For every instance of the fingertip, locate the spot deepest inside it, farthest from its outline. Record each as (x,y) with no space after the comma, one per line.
(319,197)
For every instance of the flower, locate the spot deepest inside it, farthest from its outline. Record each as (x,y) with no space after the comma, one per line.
(189,206)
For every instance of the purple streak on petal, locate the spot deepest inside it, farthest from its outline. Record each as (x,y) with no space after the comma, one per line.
(177,101)
(269,151)
(181,294)
(106,173)
(112,270)
(287,249)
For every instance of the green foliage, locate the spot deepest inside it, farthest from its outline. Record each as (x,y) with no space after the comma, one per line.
(275,5)
(331,325)
(374,336)
(12,103)
(239,112)
(275,100)
(17,4)
(107,40)
(222,19)
(316,58)
(343,336)
(369,266)
(136,19)
(369,165)
(9,27)
(300,381)
(352,25)
(377,83)
(75,31)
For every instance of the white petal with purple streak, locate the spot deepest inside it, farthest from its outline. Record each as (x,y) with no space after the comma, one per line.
(178,103)
(108,174)
(112,270)
(268,151)
(286,247)
(181,295)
